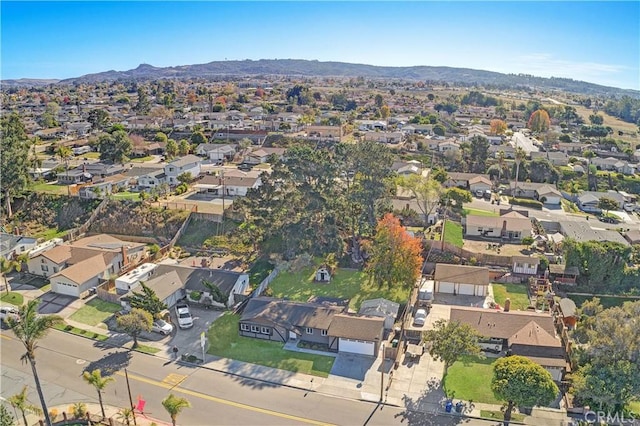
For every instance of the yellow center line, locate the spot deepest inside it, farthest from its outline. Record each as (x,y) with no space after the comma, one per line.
(4,336)
(222,401)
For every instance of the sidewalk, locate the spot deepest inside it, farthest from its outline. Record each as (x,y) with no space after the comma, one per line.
(110,412)
(414,385)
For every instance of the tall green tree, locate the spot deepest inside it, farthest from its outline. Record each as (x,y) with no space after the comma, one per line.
(521,382)
(449,340)
(607,204)
(426,192)
(134,323)
(588,154)
(115,147)
(520,156)
(174,406)
(479,154)
(198,138)
(29,330)
(608,355)
(171,148)
(143,106)
(15,160)
(96,380)
(6,419)
(147,300)
(395,255)
(99,119)
(184,147)
(539,121)
(21,402)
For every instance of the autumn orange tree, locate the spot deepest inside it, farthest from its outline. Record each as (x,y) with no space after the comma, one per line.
(498,127)
(539,121)
(395,255)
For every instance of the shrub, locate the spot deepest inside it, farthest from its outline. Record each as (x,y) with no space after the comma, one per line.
(79,410)
(473,261)
(195,295)
(527,241)
(526,202)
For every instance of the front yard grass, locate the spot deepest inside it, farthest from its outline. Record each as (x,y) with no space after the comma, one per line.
(469,379)
(345,284)
(81,332)
(141,159)
(516,292)
(478,212)
(499,415)
(224,341)
(51,188)
(13,298)
(126,195)
(95,311)
(453,233)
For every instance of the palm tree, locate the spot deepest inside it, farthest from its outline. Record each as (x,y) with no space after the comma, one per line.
(65,153)
(501,162)
(21,402)
(125,415)
(7,266)
(174,406)
(29,329)
(520,155)
(96,380)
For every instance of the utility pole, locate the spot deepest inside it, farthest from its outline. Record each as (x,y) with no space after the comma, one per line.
(133,408)
(382,375)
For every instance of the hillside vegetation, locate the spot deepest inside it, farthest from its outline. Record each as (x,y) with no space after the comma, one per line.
(47,215)
(132,218)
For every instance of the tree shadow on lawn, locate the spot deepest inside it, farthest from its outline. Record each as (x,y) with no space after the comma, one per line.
(429,408)
(111,363)
(258,376)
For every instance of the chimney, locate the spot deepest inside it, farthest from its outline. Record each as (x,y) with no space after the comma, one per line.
(125,260)
(507,304)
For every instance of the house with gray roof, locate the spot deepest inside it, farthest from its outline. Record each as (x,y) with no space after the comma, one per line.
(588,200)
(382,308)
(581,232)
(188,164)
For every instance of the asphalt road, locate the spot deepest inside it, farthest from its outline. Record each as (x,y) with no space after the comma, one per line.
(216,398)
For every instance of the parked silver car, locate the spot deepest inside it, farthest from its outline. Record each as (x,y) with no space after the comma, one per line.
(162,327)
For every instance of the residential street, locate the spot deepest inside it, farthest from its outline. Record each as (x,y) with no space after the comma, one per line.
(234,400)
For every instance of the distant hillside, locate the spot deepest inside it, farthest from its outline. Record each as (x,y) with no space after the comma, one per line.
(298,67)
(28,82)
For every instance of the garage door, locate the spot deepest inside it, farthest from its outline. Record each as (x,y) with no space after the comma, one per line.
(64,288)
(481,290)
(356,346)
(445,288)
(466,289)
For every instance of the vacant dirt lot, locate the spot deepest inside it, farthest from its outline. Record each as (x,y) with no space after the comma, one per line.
(504,249)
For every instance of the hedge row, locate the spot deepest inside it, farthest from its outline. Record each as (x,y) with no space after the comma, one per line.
(526,202)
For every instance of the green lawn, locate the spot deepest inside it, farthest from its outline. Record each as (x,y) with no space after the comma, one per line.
(470,379)
(499,415)
(225,342)
(605,301)
(516,292)
(50,188)
(634,406)
(95,312)
(141,159)
(345,284)
(126,195)
(80,332)
(13,298)
(92,155)
(478,212)
(453,233)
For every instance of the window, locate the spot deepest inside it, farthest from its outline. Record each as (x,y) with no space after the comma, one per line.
(42,261)
(309,330)
(44,268)
(244,327)
(264,330)
(56,269)
(323,332)
(254,328)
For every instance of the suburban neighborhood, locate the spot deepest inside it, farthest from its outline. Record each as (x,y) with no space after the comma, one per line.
(454,251)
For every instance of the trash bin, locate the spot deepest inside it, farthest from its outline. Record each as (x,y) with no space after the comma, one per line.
(459,407)
(448,406)
(394,343)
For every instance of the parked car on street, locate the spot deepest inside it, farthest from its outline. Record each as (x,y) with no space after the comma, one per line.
(7,312)
(185,320)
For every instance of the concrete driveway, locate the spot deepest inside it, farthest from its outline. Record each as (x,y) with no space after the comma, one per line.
(187,340)
(352,366)
(53,303)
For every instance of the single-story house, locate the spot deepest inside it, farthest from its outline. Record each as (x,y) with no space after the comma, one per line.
(557,158)
(234,183)
(524,333)
(15,245)
(460,279)
(527,265)
(508,227)
(261,155)
(382,308)
(588,200)
(547,194)
(461,180)
(480,184)
(325,324)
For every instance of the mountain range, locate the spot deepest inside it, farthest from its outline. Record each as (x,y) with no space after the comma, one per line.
(310,68)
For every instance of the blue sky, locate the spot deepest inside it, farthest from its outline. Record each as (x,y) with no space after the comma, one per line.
(593,41)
